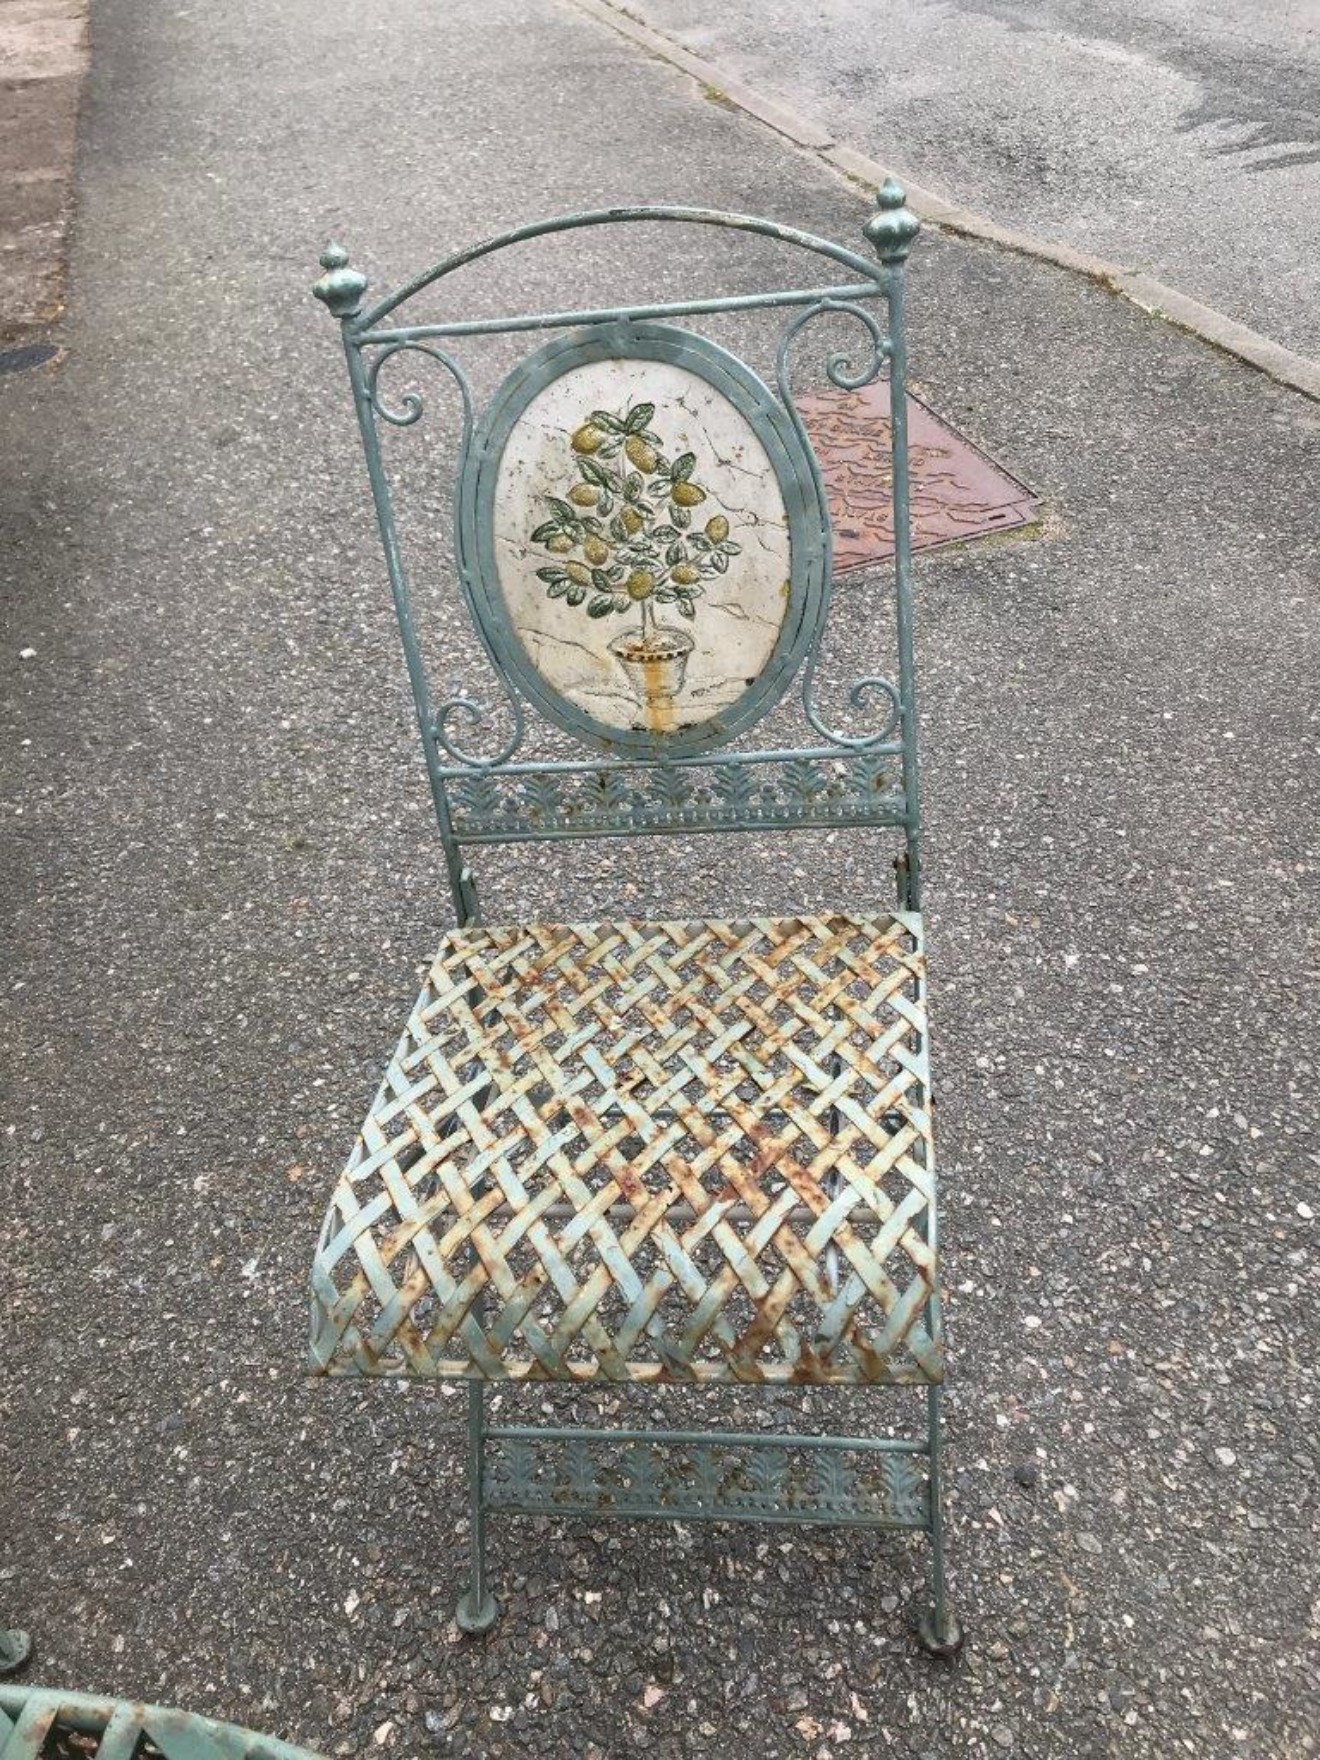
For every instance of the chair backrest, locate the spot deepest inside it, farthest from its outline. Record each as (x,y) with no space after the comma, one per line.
(644,545)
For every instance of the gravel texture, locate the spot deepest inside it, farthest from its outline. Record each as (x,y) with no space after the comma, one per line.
(219,883)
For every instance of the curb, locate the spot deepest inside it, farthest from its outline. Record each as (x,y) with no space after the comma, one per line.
(1297,372)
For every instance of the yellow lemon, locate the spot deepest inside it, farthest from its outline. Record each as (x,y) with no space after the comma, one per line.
(632,521)
(584,494)
(687,494)
(639,453)
(561,544)
(640,584)
(717,529)
(685,575)
(596,550)
(576,572)
(587,439)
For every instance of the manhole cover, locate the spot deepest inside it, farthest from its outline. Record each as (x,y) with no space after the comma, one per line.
(956,491)
(31,354)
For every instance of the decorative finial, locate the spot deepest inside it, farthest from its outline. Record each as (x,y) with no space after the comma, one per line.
(340,288)
(892,229)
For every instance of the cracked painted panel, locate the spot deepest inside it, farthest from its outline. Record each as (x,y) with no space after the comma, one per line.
(641,544)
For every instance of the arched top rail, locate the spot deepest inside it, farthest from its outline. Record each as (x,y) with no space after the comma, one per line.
(874,275)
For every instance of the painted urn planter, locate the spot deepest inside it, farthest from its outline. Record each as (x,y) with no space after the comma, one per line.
(655,661)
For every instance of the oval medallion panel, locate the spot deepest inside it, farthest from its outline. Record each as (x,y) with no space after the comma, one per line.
(642,538)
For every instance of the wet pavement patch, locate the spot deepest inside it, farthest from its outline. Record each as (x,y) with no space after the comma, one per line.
(957,491)
(31,354)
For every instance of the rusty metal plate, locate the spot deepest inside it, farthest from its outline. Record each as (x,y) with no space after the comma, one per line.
(957,492)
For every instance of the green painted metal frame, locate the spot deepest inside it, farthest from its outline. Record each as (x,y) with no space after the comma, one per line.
(452,765)
(642,785)
(36,1721)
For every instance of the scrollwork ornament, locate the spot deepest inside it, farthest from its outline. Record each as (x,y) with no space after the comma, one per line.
(841,372)
(406,410)
(860,697)
(476,715)
(411,405)
(839,369)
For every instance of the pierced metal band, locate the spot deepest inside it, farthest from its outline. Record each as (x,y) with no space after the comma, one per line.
(847,1482)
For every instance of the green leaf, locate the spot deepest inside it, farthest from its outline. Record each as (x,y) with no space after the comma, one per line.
(621,601)
(675,553)
(601,418)
(618,531)
(638,418)
(681,517)
(686,608)
(542,532)
(633,486)
(600,580)
(558,590)
(551,575)
(727,549)
(664,534)
(576,594)
(600,607)
(700,541)
(683,467)
(605,506)
(720,563)
(567,515)
(610,448)
(595,473)
(665,595)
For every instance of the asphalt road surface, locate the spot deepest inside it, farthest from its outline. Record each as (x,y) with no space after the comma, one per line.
(218,878)
(1179,137)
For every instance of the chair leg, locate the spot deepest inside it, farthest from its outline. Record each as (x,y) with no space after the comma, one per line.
(477,1607)
(937,1628)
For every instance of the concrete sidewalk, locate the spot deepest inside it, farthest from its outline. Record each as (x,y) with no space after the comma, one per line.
(218,883)
(43,58)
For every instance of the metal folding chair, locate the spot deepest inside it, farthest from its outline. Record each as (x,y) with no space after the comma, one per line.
(653,1151)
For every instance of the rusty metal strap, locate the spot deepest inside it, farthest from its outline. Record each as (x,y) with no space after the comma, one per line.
(690,1151)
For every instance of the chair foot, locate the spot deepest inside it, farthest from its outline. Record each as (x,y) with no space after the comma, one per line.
(475,1617)
(943,1641)
(15,1649)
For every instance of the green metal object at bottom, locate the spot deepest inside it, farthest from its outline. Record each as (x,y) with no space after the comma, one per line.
(38,1721)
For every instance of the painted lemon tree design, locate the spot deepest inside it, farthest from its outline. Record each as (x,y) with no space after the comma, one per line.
(624,539)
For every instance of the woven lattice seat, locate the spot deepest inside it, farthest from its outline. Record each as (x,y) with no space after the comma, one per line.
(693,1151)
